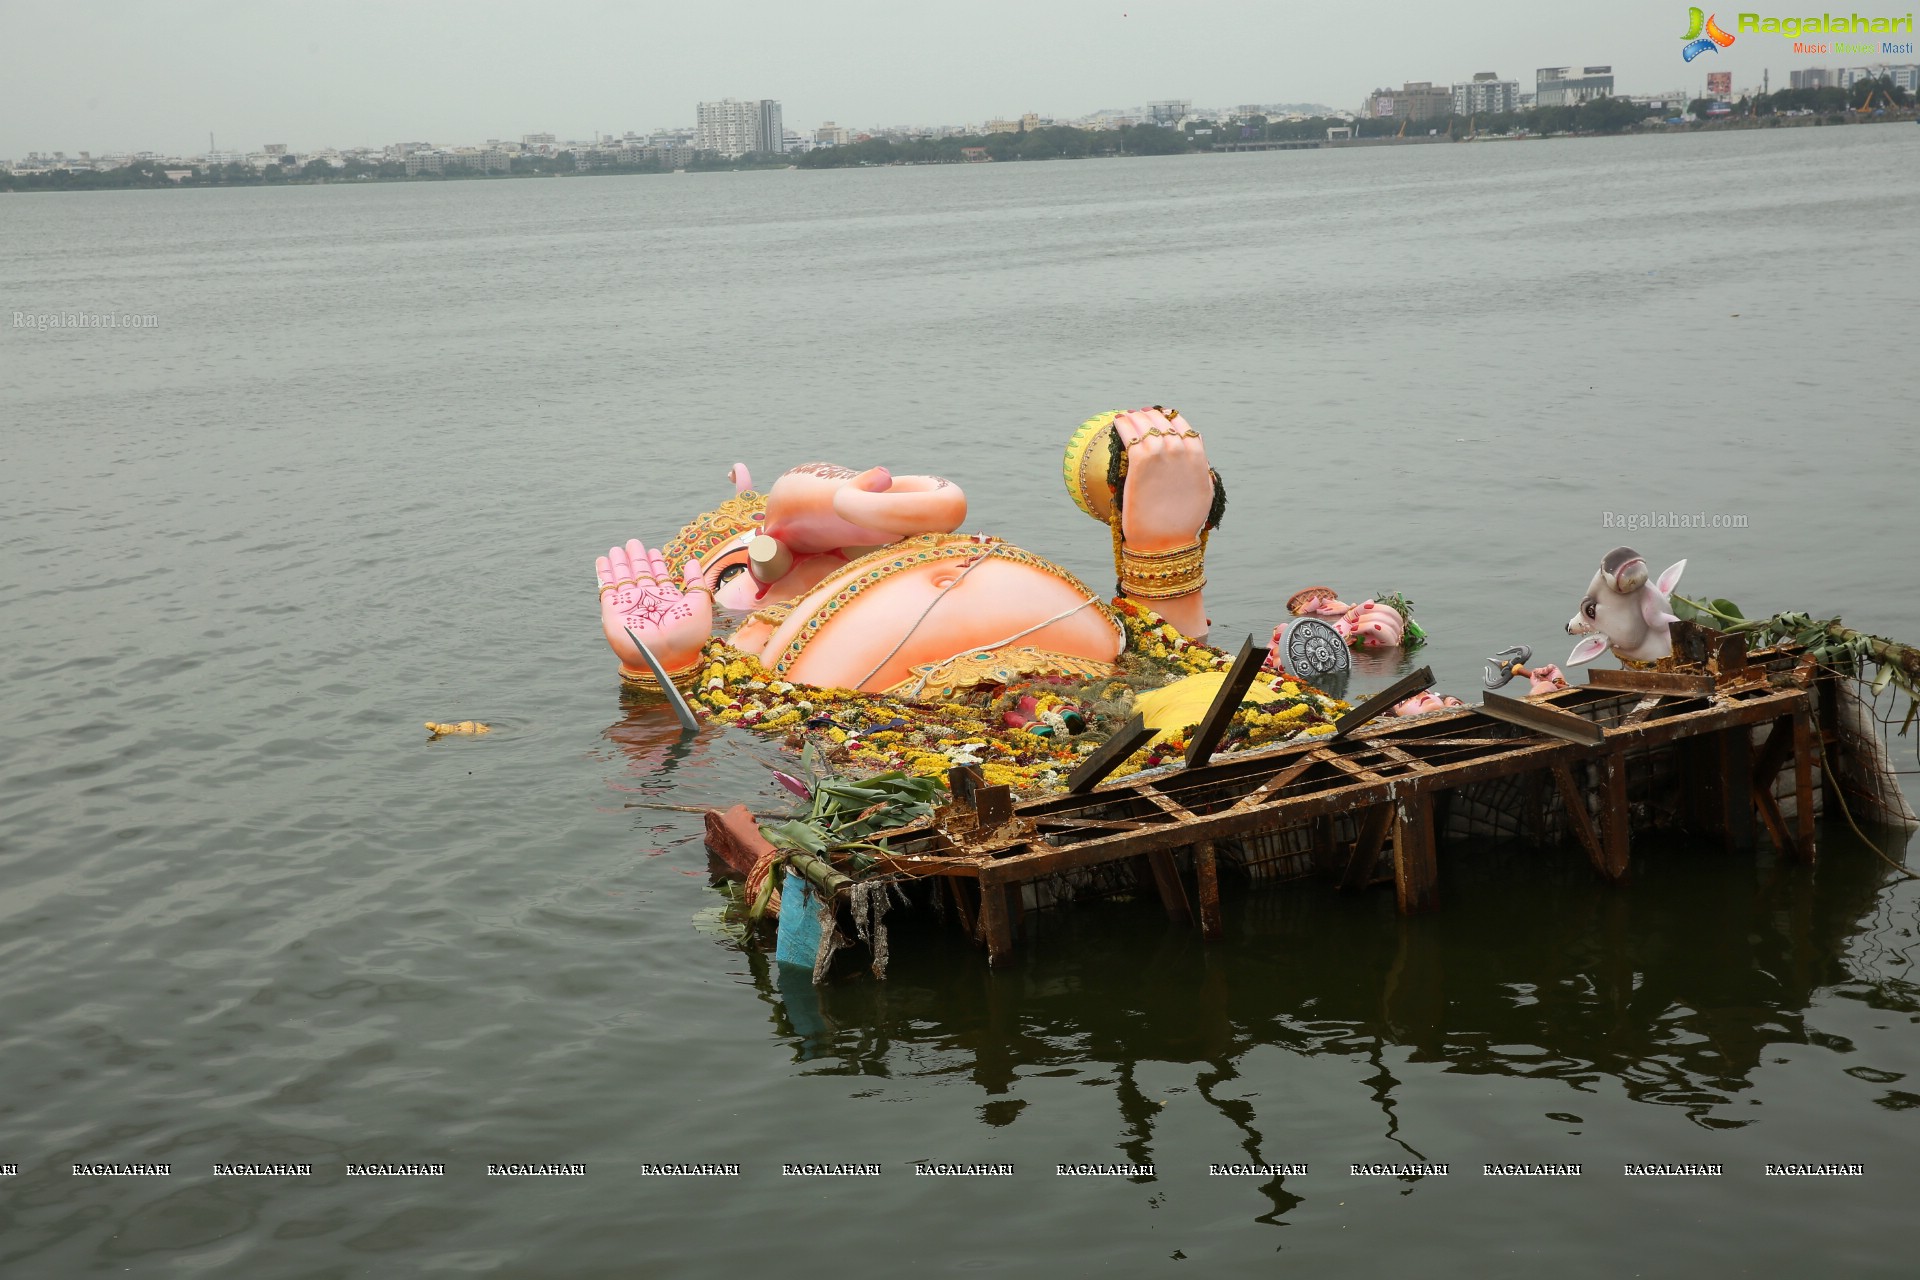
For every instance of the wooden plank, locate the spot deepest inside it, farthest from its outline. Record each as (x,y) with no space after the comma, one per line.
(1803,750)
(1615,840)
(1578,819)
(1688,683)
(994,925)
(1206,876)
(994,805)
(1693,724)
(1729,717)
(1367,788)
(1374,824)
(1092,824)
(1728,655)
(1459,742)
(1213,725)
(1416,881)
(1551,721)
(1166,879)
(1689,642)
(1385,700)
(963,780)
(1220,826)
(1166,803)
(1641,710)
(1110,755)
(1353,768)
(1278,782)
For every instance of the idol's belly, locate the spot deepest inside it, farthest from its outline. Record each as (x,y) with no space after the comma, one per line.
(859,631)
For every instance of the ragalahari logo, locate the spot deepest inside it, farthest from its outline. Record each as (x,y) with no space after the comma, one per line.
(1697,44)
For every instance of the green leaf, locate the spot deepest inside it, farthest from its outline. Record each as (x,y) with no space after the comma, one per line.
(1729,608)
(804,836)
(1685,610)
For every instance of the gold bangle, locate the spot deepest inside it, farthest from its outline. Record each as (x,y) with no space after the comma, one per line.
(608,586)
(647,681)
(1162,575)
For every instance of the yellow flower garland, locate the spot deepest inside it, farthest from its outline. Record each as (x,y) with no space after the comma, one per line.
(863,733)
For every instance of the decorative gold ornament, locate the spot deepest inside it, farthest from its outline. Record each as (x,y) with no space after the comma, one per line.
(704,534)
(646,682)
(1085,466)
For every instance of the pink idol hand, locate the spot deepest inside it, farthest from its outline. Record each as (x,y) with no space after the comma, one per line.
(637,593)
(1169,489)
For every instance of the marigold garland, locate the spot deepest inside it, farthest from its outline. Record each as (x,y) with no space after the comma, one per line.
(864,733)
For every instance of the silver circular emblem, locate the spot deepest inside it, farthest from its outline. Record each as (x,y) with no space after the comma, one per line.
(1313,649)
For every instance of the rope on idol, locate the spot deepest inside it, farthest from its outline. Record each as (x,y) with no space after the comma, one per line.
(857,686)
(998,644)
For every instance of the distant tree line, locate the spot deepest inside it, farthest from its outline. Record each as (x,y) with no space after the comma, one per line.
(1064,142)
(1050,142)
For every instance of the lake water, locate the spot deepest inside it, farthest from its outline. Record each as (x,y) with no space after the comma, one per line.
(354,479)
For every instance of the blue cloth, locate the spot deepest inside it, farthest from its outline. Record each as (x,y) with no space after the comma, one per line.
(799,941)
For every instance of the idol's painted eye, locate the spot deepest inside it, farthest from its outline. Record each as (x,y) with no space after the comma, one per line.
(728,574)
(1590,607)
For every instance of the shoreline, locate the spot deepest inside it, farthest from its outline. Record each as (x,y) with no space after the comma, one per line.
(9,184)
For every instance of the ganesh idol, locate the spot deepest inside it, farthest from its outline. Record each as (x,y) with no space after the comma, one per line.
(861,579)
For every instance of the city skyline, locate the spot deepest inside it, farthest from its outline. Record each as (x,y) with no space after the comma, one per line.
(357,74)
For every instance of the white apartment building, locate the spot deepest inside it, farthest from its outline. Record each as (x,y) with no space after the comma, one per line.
(1486,94)
(734,127)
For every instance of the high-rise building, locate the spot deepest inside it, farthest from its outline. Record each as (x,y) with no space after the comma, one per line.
(733,127)
(1811,78)
(1415,100)
(1486,94)
(770,132)
(1571,86)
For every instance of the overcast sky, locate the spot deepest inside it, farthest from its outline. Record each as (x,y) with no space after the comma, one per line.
(129,75)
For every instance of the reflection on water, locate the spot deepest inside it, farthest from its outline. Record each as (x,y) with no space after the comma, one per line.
(1672,989)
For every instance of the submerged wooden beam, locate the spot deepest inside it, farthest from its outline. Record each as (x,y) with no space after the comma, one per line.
(1579,821)
(1166,880)
(1385,700)
(1374,824)
(1735,751)
(1213,725)
(1542,719)
(1416,879)
(995,927)
(1110,755)
(1615,838)
(1206,876)
(1804,745)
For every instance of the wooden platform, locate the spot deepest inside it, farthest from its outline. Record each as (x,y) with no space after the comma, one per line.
(1373,801)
